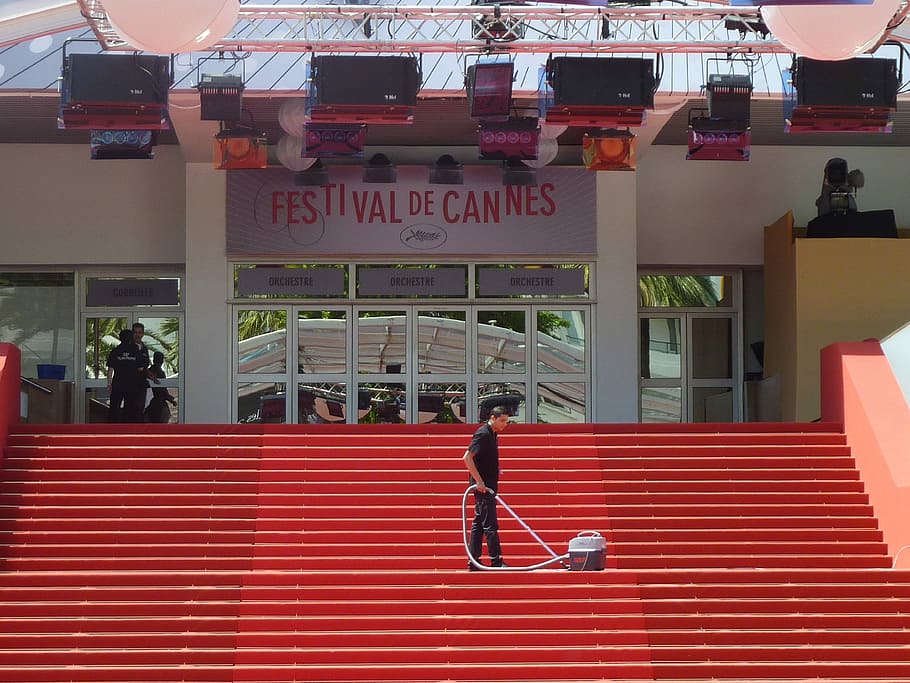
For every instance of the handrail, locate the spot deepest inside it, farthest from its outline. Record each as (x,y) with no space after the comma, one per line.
(40,387)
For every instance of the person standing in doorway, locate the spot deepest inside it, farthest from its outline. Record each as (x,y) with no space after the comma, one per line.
(157,409)
(140,389)
(122,371)
(482,460)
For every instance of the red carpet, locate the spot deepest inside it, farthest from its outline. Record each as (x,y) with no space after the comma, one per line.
(246,553)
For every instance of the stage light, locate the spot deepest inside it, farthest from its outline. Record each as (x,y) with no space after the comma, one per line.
(122,144)
(314,176)
(850,96)
(114,92)
(723,131)
(730,98)
(609,150)
(364,89)
(380,169)
(220,97)
(239,148)
(496,28)
(600,92)
(517,138)
(716,141)
(489,88)
(335,140)
(514,172)
(446,171)
(838,194)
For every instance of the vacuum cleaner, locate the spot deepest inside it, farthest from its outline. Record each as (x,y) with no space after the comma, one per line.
(587,551)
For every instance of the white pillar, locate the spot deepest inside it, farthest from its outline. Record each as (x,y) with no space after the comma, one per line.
(616,320)
(206,329)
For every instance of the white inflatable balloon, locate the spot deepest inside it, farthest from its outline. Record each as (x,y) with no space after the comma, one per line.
(829,32)
(290,153)
(172,26)
(292,116)
(547,150)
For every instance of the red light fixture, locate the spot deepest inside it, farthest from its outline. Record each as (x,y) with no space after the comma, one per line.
(240,148)
(717,144)
(609,150)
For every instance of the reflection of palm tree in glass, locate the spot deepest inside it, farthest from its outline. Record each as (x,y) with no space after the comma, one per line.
(676,291)
(671,291)
(49,302)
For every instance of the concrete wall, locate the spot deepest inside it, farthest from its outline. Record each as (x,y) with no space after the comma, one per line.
(713,212)
(60,207)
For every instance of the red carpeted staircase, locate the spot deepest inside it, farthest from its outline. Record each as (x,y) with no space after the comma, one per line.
(744,553)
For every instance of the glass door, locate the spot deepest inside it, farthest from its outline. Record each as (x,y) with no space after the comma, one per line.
(688,368)
(101,332)
(382,338)
(441,365)
(500,340)
(322,339)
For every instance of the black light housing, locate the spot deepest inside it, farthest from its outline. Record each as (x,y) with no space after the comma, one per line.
(379,169)
(315,176)
(220,97)
(447,171)
(514,172)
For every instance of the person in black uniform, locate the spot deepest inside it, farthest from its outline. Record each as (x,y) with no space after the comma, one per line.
(136,407)
(482,461)
(122,370)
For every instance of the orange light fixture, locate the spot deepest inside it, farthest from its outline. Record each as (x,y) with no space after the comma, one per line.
(240,148)
(609,150)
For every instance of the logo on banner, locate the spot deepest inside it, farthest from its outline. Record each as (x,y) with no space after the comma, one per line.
(423,236)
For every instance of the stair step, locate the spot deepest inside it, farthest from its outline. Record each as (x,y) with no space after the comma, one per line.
(736,554)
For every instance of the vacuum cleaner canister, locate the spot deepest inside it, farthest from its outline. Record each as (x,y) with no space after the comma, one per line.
(587,552)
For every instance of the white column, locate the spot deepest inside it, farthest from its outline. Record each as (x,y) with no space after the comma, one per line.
(616,321)
(207,332)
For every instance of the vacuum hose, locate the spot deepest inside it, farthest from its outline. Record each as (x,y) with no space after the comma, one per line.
(467,547)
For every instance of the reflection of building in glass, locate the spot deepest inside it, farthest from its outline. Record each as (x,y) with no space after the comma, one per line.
(441,349)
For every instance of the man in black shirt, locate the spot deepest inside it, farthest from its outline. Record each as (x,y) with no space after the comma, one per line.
(122,372)
(482,461)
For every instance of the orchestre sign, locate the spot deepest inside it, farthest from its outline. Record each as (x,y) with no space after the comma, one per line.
(412,282)
(278,281)
(540,281)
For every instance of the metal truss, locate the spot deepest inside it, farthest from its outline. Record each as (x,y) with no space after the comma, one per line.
(482,29)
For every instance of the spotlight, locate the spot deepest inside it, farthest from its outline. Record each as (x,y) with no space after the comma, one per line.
(744,26)
(335,140)
(220,97)
(314,176)
(516,173)
(600,92)
(725,133)
(446,171)
(839,188)
(237,148)
(851,96)
(498,29)
(380,169)
(717,141)
(489,87)
(609,150)
(123,144)
(364,89)
(517,138)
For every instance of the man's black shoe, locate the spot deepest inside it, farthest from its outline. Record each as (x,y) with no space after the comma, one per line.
(499,564)
(472,568)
